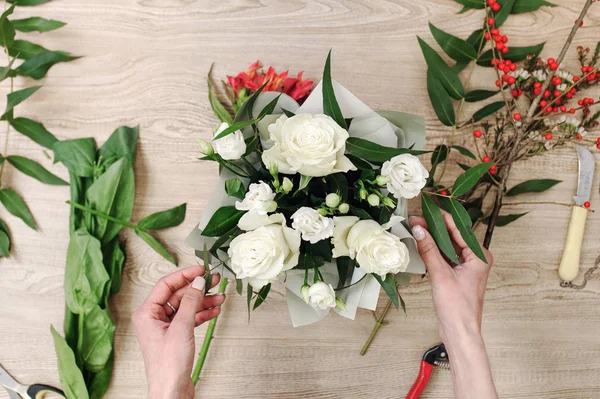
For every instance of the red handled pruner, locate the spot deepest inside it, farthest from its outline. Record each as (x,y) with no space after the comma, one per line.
(434,357)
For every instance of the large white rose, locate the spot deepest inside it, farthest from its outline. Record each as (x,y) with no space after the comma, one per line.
(230,147)
(313,226)
(407,175)
(312,145)
(376,250)
(261,255)
(341,227)
(260,199)
(321,295)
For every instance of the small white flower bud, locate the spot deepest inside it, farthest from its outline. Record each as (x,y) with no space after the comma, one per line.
(273,170)
(205,147)
(332,200)
(340,304)
(344,208)
(382,180)
(373,200)
(363,193)
(322,211)
(388,202)
(304,291)
(287,185)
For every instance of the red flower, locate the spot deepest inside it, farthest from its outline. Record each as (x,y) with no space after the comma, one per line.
(297,88)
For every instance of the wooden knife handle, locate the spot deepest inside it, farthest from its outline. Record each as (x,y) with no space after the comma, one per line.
(569,265)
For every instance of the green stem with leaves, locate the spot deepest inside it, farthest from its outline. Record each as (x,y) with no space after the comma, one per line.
(378,324)
(104,215)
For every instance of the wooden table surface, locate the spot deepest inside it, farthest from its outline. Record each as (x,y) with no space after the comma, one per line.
(145,63)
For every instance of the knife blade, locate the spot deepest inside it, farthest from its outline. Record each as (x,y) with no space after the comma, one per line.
(569,265)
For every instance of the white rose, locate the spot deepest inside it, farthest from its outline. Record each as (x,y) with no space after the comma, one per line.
(313,226)
(376,250)
(341,228)
(230,147)
(407,175)
(312,145)
(261,255)
(260,199)
(321,295)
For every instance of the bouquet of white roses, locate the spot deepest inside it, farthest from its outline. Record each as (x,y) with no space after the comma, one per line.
(314,196)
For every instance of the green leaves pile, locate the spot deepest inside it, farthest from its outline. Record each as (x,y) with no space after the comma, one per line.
(35,61)
(102,199)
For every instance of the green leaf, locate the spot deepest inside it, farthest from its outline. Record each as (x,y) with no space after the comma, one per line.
(389,286)
(456,48)
(503,220)
(487,110)
(17,97)
(437,227)
(7,30)
(249,293)
(164,219)
(441,71)
(261,296)
(532,186)
(337,183)
(113,257)
(287,113)
(15,205)
(101,380)
(522,6)
(235,188)
(239,286)
(71,379)
(4,240)
(35,131)
(304,180)
(501,16)
(330,104)
(77,191)
(475,39)
(439,155)
(85,274)
(464,151)
(514,54)
(440,100)
(468,179)
(223,220)
(156,246)
(464,225)
(269,108)
(71,328)
(121,143)
(113,194)
(215,104)
(373,152)
(7,72)
(37,66)
(478,95)
(36,24)
(97,338)
(236,126)
(476,4)
(28,3)
(79,155)
(25,50)
(35,170)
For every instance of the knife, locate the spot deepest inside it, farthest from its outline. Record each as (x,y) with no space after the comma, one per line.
(569,265)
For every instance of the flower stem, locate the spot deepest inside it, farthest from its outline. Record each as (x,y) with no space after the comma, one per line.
(378,324)
(103,215)
(207,338)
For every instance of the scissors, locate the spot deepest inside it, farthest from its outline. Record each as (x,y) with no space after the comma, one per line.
(434,357)
(18,391)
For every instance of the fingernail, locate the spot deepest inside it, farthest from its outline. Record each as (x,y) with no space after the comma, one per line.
(418,233)
(199,283)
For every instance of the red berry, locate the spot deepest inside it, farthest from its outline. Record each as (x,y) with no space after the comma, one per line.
(575,78)
(556,93)
(555,109)
(495,31)
(517,116)
(547,94)
(572,111)
(569,95)
(548,109)
(486,35)
(444,192)
(477,133)
(496,7)
(497,83)
(501,66)
(491,2)
(513,67)
(515,92)
(579,102)
(504,39)
(490,21)
(554,66)
(537,85)
(548,136)
(511,80)
(563,108)
(499,45)
(587,204)
(556,81)
(551,61)
(598,140)
(598,146)
(504,50)
(579,136)
(486,159)
(543,103)
(537,92)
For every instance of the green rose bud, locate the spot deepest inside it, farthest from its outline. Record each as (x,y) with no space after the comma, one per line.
(344,208)
(363,193)
(332,200)
(387,201)
(287,185)
(304,291)
(373,200)
(382,180)
(322,212)
(205,147)
(273,170)
(340,304)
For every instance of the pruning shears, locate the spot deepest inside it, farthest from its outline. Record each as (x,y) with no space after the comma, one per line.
(434,357)
(20,391)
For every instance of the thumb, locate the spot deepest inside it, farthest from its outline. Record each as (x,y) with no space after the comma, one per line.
(429,251)
(191,303)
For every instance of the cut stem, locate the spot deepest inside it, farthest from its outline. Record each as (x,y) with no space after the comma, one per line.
(207,338)
(378,324)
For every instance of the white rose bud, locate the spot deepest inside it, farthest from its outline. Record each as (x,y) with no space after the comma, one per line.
(304,291)
(363,193)
(273,170)
(373,200)
(313,226)
(287,185)
(321,295)
(259,198)
(344,208)
(322,211)
(339,303)
(230,147)
(332,200)
(387,201)
(382,180)
(407,175)
(205,147)
(312,145)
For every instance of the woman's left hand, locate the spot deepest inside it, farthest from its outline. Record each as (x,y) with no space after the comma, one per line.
(167,337)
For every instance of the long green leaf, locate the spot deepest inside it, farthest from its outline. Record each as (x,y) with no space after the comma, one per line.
(330,104)
(456,48)
(522,6)
(532,186)
(37,66)
(463,223)
(71,379)
(514,54)
(35,131)
(475,39)
(468,179)
(164,219)
(437,227)
(235,188)
(440,100)
(390,287)
(36,24)
(476,4)
(487,111)
(218,108)
(97,339)
(121,143)
(372,152)
(28,3)
(442,71)
(25,50)
(17,97)
(79,155)
(501,16)
(15,205)
(4,244)
(101,380)
(464,151)
(7,30)
(156,246)
(35,170)
(478,95)
(236,126)
(503,220)
(261,296)
(223,220)
(269,108)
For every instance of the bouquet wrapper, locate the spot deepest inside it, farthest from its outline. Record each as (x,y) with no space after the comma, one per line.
(388,128)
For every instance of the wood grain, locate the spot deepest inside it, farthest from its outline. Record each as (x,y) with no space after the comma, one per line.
(145,63)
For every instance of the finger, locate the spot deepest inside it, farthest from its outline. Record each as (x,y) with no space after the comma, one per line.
(206,315)
(191,303)
(454,232)
(175,299)
(435,263)
(166,286)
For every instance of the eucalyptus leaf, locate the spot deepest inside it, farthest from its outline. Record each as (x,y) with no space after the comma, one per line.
(389,286)
(467,180)
(440,100)
(35,131)
(456,48)
(17,97)
(475,39)
(532,186)
(156,246)
(522,6)
(442,71)
(488,110)
(437,227)
(96,340)
(37,66)
(4,244)
(223,220)
(35,170)
(372,152)
(24,49)
(164,219)
(249,298)
(7,30)
(235,188)
(71,378)
(36,24)
(330,104)
(463,223)
(16,206)
(464,151)
(79,155)
(478,95)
